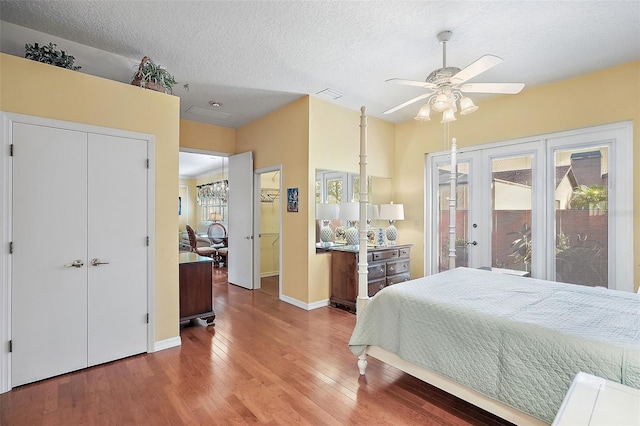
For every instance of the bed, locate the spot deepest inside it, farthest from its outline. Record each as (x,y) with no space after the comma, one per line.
(508,344)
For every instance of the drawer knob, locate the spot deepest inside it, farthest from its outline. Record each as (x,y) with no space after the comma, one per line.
(381,287)
(391,268)
(381,270)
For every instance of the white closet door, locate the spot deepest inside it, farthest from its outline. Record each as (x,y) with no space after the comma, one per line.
(117,236)
(49,297)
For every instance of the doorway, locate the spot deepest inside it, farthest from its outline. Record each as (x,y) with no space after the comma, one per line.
(268,217)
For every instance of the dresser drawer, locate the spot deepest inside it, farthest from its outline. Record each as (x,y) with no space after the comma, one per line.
(385,254)
(377,271)
(398,278)
(404,253)
(376,285)
(398,267)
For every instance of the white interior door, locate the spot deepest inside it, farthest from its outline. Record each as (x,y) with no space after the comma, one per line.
(49,297)
(117,253)
(240,257)
(79,271)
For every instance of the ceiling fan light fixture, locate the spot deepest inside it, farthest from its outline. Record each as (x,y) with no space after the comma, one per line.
(440,103)
(467,106)
(448,116)
(424,114)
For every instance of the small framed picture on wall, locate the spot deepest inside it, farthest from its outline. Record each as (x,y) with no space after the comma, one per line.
(292,199)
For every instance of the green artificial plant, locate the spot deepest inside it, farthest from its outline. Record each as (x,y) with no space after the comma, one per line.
(49,55)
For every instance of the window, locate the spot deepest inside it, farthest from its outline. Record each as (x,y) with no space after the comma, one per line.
(557,205)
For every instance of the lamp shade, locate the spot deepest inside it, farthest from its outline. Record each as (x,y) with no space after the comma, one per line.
(326,211)
(424,113)
(349,211)
(440,103)
(467,106)
(216,217)
(448,116)
(392,211)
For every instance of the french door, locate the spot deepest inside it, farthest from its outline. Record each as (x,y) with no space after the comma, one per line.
(539,205)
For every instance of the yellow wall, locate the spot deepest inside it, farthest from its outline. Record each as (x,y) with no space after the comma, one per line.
(32,88)
(190,215)
(207,137)
(334,144)
(565,105)
(282,138)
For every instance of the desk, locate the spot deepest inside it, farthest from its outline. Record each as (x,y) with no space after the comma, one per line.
(595,401)
(196,288)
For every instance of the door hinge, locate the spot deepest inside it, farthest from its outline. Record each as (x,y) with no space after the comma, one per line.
(11,150)
(147,241)
(147,163)
(10,345)
(147,318)
(11,247)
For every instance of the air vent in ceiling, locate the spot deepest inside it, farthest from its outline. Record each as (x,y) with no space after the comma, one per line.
(207,112)
(329,94)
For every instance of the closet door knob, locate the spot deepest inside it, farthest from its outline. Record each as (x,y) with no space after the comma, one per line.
(75,264)
(95,262)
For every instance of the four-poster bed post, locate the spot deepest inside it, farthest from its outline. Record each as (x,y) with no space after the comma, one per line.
(453,180)
(363,292)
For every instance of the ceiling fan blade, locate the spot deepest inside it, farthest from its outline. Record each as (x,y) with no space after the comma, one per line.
(507,88)
(409,102)
(478,67)
(422,84)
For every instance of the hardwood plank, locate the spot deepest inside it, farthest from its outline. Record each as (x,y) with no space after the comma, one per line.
(265,362)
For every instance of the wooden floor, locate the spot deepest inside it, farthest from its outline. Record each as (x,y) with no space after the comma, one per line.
(264,362)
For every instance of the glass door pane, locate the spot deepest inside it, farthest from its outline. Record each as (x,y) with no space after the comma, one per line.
(511,195)
(581,216)
(461,217)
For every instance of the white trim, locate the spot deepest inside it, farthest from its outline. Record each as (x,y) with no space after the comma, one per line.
(303,305)
(6,123)
(161,345)
(5,259)
(151,250)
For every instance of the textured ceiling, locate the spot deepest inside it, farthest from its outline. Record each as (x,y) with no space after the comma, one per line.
(256,56)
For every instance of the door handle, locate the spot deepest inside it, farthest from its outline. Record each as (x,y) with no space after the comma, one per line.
(250,237)
(472,243)
(95,262)
(75,264)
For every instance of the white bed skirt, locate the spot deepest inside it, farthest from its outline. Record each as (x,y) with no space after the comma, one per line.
(449,386)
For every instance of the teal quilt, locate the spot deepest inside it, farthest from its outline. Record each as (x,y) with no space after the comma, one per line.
(518,340)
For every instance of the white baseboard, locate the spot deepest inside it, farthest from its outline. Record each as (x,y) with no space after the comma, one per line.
(167,343)
(269,274)
(303,305)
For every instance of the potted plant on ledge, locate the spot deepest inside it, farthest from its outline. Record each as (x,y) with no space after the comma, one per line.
(48,54)
(152,76)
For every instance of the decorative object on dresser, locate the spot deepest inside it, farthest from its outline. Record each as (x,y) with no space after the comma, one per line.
(351,213)
(386,266)
(326,212)
(392,212)
(196,288)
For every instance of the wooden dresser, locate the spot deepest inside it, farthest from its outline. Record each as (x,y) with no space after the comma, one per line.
(196,288)
(386,265)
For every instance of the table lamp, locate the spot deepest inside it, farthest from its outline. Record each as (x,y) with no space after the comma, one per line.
(392,212)
(326,212)
(351,213)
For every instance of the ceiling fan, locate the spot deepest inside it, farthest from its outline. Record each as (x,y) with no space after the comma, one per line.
(446,85)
